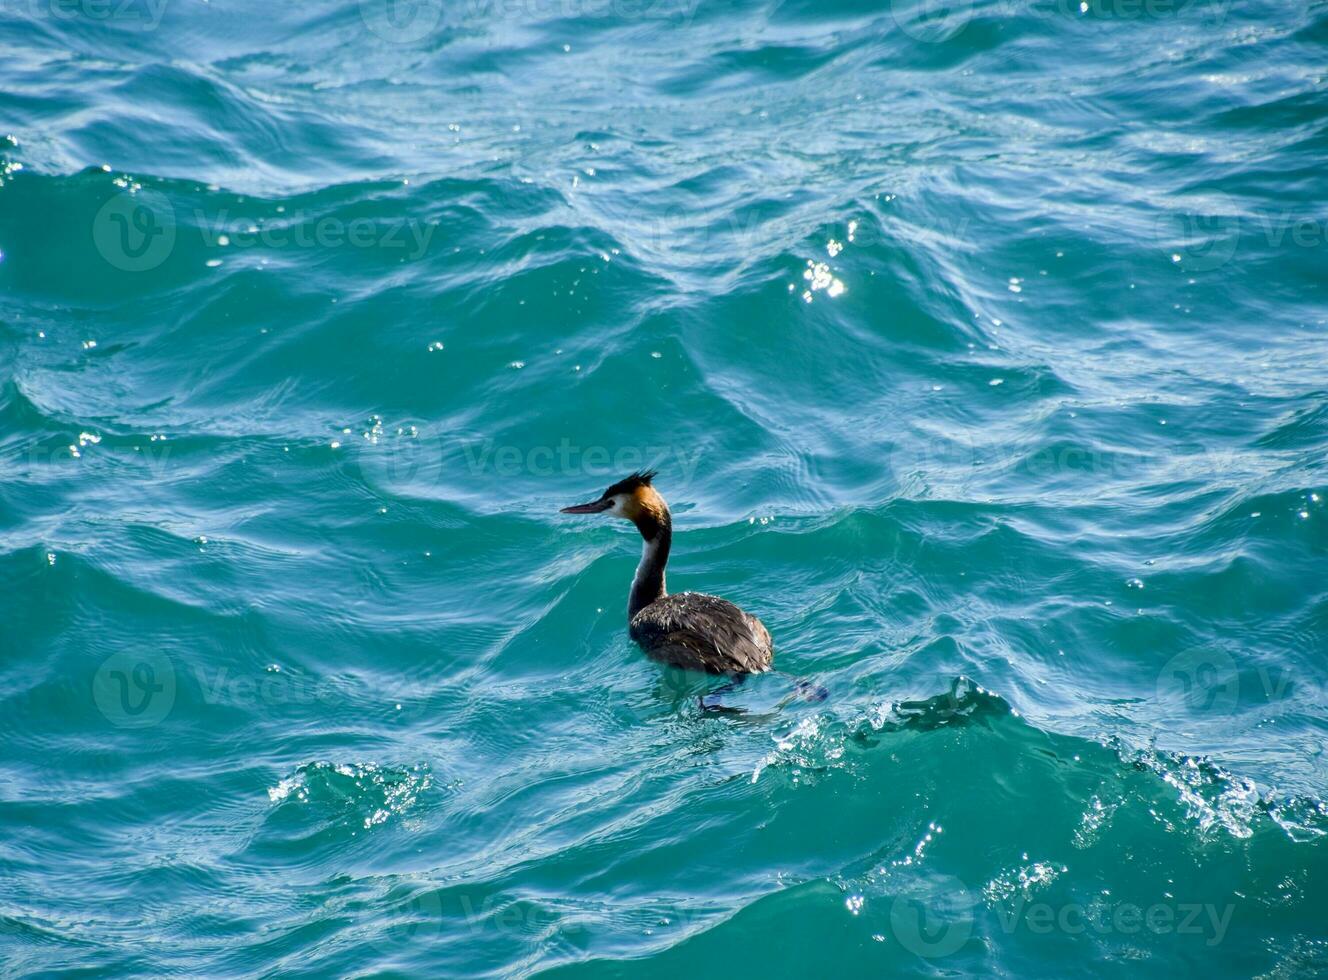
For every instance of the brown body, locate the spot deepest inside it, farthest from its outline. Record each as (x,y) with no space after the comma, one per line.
(696,631)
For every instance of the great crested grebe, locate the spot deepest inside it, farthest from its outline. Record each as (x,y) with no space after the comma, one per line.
(689,629)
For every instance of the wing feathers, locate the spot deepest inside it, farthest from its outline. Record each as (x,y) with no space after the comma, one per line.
(703,632)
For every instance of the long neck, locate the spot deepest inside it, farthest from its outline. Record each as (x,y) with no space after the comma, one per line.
(656,536)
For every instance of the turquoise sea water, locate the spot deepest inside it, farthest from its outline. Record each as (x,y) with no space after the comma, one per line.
(981,352)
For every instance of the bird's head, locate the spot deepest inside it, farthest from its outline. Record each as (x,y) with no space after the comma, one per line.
(633,499)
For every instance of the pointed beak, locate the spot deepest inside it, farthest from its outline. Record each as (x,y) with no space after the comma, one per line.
(594,507)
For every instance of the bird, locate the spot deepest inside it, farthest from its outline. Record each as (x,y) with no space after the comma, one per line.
(690,630)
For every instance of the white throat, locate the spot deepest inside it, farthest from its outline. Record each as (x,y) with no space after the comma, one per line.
(645,589)
(648,551)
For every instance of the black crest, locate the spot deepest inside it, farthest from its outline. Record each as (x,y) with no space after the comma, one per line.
(629,484)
